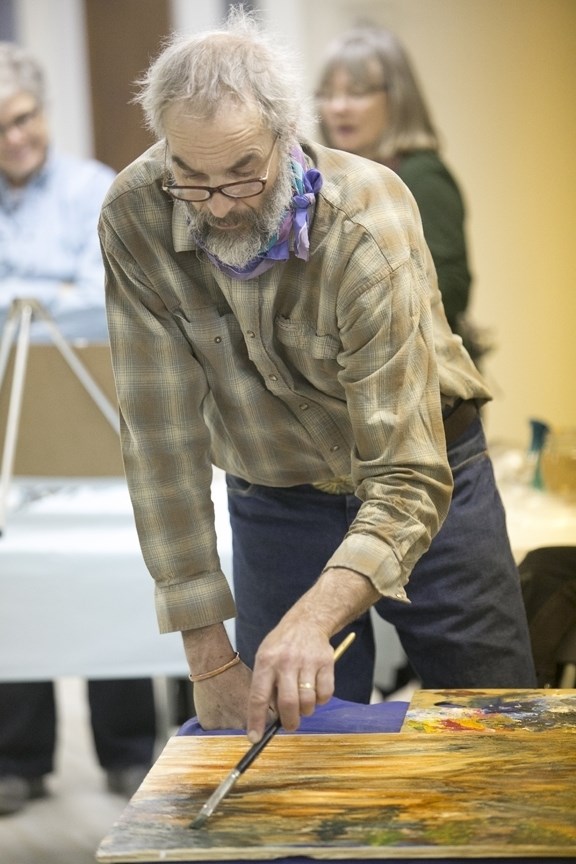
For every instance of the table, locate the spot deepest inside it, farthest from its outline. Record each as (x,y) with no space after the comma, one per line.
(77,599)
(71,550)
(535,518)
(74,549)
(344,788)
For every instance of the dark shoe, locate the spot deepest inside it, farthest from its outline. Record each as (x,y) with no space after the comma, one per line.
(125,781)
(15,792)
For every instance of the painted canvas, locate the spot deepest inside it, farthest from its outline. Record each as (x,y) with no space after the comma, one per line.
(356,797)
(491,711)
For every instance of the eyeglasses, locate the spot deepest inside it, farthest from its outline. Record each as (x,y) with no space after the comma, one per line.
(20,122)
(241,189)
(350,95)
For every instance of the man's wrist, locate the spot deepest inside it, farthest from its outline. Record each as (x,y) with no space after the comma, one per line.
(208,649)
(203,676)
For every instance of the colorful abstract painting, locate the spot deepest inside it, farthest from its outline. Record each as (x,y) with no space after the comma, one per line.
(491,711)
(357,797)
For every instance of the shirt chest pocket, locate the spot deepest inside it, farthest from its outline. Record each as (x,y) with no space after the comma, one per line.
(214,335)
(301,337)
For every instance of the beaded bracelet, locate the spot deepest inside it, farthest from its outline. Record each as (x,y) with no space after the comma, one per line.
(204,675)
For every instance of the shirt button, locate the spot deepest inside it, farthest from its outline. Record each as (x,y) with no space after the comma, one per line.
(334,448)
(250,333)
(304,406)
(217,339)
(273,377)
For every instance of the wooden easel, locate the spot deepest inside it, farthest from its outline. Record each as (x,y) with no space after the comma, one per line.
(17,327)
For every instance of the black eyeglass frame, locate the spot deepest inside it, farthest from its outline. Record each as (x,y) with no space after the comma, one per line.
(211,190)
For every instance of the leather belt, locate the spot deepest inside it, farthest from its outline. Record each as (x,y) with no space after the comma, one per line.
(459,418)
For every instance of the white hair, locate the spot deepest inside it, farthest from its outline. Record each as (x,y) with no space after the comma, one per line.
(19,71)
(238,62)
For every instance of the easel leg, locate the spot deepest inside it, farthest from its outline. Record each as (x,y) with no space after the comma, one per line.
(15,404)
(98,397)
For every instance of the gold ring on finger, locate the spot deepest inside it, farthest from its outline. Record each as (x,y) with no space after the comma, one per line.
(306,685)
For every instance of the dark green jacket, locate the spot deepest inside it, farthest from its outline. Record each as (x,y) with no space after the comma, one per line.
(442,210)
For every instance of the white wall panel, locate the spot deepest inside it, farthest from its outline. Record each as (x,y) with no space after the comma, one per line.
(53,30)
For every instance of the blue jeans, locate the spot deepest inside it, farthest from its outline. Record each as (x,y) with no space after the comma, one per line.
(465,626)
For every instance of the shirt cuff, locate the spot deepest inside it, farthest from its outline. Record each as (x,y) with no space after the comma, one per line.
(371,558)
(199,602)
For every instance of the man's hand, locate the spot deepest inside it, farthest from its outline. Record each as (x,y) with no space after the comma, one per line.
(294,667)
(221,701)
(294,670)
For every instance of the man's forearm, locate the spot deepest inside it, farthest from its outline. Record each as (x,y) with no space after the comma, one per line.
(337,598)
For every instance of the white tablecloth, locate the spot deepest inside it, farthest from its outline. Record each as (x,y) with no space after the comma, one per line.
(77,600)
(534,517)
(75,596)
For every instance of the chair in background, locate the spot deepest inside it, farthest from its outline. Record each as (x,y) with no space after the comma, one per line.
(548,579)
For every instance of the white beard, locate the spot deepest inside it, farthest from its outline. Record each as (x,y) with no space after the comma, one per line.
(254,230)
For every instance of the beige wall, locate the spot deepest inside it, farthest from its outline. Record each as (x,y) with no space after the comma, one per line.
(500,76)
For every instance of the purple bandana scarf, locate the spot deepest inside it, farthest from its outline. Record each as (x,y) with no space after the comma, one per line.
(293,230)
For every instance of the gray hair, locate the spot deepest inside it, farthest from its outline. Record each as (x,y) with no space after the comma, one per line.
(362,50)
(20,71)
(237,62)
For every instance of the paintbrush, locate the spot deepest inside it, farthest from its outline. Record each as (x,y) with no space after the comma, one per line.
(229,781)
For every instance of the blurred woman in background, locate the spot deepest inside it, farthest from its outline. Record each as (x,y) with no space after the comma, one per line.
(369,103)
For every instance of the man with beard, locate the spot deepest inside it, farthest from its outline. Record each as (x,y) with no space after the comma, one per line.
(273,311)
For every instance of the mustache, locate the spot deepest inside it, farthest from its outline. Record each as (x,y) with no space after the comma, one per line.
(208,220)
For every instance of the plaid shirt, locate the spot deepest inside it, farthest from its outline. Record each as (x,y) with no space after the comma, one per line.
(316,369)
